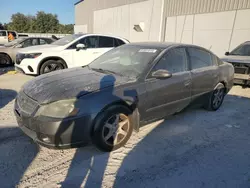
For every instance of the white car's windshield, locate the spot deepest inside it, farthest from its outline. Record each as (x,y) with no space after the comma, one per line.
(125,60)
(14,42)
(67,39)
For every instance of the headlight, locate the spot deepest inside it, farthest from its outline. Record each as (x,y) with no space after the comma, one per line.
(32,56)
(59,109)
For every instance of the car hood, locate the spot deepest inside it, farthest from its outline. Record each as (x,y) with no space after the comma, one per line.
(41,48)
(236,59)
(69,83)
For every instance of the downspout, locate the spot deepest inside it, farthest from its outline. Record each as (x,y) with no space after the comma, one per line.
(163,23)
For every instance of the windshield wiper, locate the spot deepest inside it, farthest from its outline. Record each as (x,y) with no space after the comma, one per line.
(105,71)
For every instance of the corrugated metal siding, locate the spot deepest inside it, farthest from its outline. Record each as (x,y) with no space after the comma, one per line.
(84,11)
(184,7)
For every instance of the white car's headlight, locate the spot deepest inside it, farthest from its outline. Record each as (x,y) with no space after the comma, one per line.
(59,109)
(32,56)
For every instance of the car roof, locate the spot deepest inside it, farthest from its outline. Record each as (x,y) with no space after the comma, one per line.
(159,45)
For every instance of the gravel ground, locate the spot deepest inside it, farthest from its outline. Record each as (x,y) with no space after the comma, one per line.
(195,148)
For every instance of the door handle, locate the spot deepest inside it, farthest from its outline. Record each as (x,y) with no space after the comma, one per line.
(96,52)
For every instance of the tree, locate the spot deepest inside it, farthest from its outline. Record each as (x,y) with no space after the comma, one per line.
(41,23)
(46,23)
(1,26)
(19,22)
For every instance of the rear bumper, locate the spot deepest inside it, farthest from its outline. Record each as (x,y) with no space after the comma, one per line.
(51,133)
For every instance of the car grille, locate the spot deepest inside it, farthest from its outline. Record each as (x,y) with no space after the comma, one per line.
(19,58)
(26,104)
(241,68)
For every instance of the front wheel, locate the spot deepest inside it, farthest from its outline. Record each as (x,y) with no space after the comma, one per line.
(216,98)
(113,128)
(50,66)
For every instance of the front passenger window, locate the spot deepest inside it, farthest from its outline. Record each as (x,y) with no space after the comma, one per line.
(174,61)
(199,58)
(90,42)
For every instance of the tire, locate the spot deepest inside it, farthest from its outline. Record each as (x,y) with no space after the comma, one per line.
(5,60)
(50,66)
(216,98)
(102,128)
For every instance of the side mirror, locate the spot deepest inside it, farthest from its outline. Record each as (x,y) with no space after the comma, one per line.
(19,46)
(80,47)
(161,74)
(227,53)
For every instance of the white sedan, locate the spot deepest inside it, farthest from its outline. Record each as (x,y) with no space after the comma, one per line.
(71,51)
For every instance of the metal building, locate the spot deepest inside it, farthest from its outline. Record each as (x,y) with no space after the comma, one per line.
(219,25)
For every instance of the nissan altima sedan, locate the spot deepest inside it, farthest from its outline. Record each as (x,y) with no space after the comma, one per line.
(125,88)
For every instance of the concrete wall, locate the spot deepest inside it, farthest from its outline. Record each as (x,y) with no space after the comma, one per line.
(80,28)
(121,20)
(220,31)
(84,11)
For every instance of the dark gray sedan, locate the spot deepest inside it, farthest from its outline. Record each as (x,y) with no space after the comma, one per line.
(120,91)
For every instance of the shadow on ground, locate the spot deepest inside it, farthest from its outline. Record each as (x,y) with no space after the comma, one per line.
(193,149)
(4,70)
(6,96)
(17,152)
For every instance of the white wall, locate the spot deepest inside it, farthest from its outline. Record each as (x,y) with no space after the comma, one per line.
(80,29)
(220,32)
(121,20)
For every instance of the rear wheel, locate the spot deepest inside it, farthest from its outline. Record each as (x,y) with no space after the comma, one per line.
(113,128)
(50,66)
(216,98)
(5,60)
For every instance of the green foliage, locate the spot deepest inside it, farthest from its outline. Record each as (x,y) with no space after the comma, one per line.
(41,23)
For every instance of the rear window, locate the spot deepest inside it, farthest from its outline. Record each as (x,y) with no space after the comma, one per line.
(118,42)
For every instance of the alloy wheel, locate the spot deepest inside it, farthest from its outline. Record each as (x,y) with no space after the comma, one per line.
(218,97)
(52,67)
(116,129)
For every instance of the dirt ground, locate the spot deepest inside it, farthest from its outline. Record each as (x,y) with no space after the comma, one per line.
(195,148)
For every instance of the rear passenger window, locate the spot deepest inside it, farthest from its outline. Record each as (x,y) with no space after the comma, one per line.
(106,42)
(199,58)
(173,61)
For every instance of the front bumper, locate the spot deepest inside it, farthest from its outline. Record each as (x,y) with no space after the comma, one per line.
(51,133)
(28,66)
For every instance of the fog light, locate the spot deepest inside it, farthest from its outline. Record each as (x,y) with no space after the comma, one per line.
(45,138)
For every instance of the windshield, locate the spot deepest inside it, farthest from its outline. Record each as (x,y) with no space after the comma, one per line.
(126,60)
(242,50)
(67,39)
(14,42)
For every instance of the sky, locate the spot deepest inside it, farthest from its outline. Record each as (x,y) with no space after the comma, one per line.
(63,8)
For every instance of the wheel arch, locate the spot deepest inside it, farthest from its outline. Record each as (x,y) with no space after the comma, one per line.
(132,106)
(56,58)
(4,53)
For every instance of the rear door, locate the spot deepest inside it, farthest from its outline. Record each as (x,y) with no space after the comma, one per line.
(204,71)
(167,96)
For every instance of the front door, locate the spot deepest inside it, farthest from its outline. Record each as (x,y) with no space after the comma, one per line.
(167,96)
(85,56)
